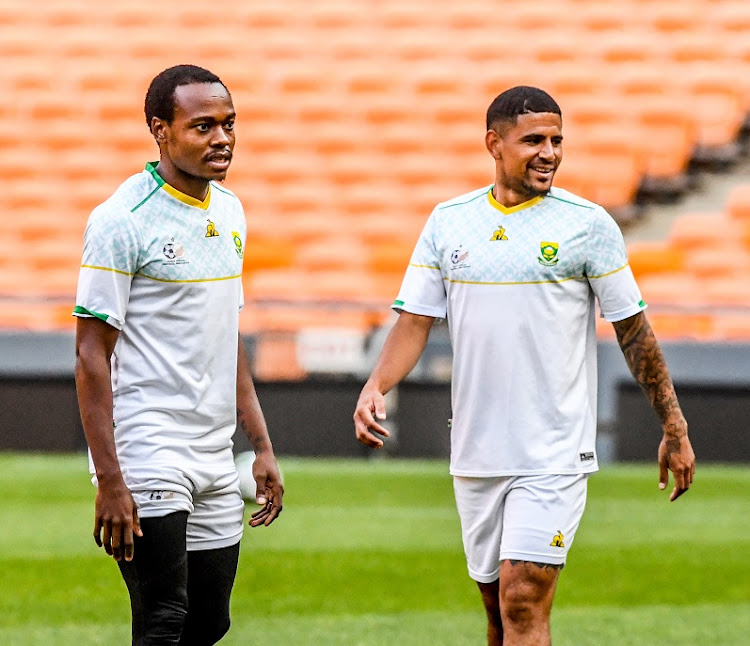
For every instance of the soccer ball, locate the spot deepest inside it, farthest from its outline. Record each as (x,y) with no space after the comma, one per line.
(244,464)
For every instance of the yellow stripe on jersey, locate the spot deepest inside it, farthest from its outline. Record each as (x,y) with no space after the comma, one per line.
(192,280)
(528,282)
(609,273)
(116,271)
(411,264)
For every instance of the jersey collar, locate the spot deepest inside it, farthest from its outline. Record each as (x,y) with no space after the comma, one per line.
(513,209)
(179,195)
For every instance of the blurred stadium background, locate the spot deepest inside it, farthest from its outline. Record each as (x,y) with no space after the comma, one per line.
(354,118)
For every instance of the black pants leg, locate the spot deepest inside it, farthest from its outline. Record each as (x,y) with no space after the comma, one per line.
(157,580)
(210,579)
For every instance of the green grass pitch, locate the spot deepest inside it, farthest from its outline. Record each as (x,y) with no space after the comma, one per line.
(368,553)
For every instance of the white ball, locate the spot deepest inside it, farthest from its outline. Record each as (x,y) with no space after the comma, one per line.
(244,464)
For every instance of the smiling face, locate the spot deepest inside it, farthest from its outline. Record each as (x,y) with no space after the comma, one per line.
(526,155)
(196,146)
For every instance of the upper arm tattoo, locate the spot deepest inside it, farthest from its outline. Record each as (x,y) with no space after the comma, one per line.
(646,361)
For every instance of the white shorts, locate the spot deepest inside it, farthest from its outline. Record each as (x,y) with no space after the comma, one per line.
(524,518)
(210,495)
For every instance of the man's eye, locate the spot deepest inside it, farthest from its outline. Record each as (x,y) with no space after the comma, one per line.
(229,125)
(202,127)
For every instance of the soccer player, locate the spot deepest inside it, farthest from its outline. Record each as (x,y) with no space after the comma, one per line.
(515,268)
(162,374)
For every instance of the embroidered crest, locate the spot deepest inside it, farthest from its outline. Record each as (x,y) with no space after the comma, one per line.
(549,253)
(238,244)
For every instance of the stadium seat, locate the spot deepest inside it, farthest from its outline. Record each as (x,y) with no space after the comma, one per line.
(333,253)
(691,231)
(673,19)
(356,121)
(738,203)
(268,253)
(655,257)
(671,289)
(678,326)
(275,358)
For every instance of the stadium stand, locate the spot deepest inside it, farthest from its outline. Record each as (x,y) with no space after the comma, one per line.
(356,118)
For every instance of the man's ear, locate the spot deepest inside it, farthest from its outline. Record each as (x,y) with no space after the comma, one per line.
(159,129)
(493,141)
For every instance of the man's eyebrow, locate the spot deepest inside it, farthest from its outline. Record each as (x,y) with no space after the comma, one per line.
(207,117)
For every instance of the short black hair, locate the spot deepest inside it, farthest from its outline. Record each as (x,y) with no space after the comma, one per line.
(160,95)
(522,99)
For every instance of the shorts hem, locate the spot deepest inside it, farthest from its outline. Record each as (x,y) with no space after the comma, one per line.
(533,558)
(213,544)
(484,578)
(154,511)
(509,474)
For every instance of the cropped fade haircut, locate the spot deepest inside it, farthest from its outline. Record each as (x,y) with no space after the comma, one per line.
(160,95)
(521,99)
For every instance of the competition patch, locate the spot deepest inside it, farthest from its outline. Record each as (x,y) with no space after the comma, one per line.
(174,253)
(458,259)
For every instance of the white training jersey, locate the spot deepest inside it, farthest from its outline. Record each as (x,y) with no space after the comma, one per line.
(517,286)
(166,270)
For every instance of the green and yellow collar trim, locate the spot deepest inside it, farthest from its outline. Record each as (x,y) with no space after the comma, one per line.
(179,195)
(505,210)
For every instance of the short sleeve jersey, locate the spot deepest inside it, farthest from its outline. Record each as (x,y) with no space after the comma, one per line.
(165,269)
(518,286)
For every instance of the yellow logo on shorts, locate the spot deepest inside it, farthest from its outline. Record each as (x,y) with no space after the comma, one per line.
(557,541)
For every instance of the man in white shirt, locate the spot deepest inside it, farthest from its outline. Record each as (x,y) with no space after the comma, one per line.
(162,374)
(516,268)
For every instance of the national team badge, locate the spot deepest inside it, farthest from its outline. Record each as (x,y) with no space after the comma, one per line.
(211,231)
(499,234)
(549,253)
(237,244)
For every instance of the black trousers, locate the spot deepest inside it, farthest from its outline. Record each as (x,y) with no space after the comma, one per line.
(178,597)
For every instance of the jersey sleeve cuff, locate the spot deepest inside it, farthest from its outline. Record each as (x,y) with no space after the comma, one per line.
(82,312)
(620,315)
(423,310)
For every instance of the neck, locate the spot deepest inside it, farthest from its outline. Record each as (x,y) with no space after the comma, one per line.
(196,187)
(509,197)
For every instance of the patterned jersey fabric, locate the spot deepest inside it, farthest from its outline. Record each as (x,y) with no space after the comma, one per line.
(165,269)
(518,287)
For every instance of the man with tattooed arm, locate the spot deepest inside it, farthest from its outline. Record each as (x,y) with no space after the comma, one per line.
(516,268)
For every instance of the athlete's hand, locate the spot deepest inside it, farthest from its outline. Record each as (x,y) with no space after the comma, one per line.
(676,455)
(269,489)
(116,518)
(370,407)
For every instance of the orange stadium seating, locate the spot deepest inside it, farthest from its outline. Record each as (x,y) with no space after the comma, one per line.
(354,119)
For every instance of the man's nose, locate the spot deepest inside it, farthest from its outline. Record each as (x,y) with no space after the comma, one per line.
(220,138)
(547,151)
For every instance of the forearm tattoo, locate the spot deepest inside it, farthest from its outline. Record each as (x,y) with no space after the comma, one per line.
(646,361)
(257,438)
